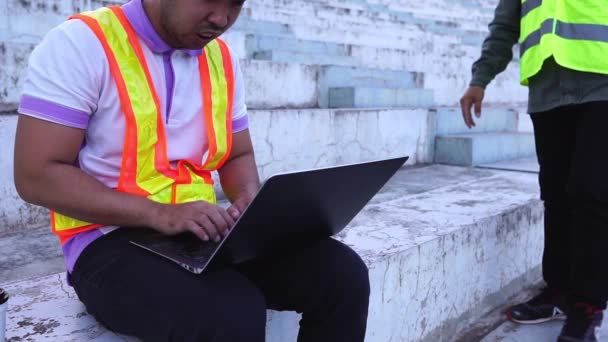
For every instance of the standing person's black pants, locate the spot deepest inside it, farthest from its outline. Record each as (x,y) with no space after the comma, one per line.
(134,292)
(572,148)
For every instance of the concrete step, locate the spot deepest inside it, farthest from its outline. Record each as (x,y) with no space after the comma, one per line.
(257,43)
(303,57)
(429,229)
(521,165)
(321,137)
(444,60)
(30,253)
(272,85)
(450,121)
(365,97)
(361,15)
(287,140)
(343,76)
(546,332)
(483,148)
(280,85)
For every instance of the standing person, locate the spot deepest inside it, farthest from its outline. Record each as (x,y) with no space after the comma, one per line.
(563,48)
(125,114)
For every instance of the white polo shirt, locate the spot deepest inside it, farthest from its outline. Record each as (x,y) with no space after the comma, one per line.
(69,83)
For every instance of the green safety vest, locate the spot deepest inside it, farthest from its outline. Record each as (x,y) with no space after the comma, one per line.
(574,32)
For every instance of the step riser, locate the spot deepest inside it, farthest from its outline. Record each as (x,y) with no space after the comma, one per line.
(304,58)
(438,260)
(321,138)
(270,43)
(355,97)
(296,88)
(450,121)
(434,292)
(309,86)
(467,151)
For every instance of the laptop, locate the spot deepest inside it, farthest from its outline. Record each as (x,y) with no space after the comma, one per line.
(289,211)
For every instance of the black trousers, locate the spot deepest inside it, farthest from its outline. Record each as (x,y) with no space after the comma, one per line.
(134,292)
(572,148)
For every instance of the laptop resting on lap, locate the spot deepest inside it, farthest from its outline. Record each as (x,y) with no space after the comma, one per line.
(289,211)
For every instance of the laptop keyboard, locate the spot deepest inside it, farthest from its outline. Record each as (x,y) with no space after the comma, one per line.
(198,250)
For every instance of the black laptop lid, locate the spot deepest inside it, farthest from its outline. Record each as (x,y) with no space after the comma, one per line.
(294,209)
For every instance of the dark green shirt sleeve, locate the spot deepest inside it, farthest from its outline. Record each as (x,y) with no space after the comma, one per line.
(497,49)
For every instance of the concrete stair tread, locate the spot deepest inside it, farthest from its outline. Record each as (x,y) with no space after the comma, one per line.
(422,214)
(511,332)
(371,97)
(379,14)
(483,135)
(29,254)
(267,90)
(264,42)
(521,165)
(303,57)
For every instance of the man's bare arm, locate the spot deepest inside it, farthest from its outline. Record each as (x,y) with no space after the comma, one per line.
(239,175)
(45,175)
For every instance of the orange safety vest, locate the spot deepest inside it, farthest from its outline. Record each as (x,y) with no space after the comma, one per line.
(146,170)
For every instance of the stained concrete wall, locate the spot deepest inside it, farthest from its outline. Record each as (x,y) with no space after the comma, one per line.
(439,38)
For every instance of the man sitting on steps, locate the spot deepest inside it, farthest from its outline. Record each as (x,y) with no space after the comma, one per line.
(125,113)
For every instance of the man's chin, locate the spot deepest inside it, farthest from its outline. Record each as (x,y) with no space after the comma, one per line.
(199,43)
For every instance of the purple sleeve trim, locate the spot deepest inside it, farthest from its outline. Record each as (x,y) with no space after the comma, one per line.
(240,124)
(74,247)
(50,111)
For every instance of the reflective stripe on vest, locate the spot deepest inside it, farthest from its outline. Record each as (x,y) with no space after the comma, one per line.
(146,170)
(575,33)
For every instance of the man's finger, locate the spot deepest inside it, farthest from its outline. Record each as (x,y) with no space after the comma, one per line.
(210,228)
(229,220)
(221,220)
(234,212)
(478,108)
(195,229)
(465,106)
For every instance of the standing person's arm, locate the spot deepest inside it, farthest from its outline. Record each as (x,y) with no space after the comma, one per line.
(496,53)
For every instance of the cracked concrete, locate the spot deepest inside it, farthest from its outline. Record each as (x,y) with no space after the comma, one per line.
(436,265)
(287,140)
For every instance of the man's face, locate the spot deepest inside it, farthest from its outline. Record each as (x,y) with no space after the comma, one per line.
(192,24)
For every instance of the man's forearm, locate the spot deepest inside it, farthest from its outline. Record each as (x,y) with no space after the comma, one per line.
(69,191)
(497,50)
(239,177)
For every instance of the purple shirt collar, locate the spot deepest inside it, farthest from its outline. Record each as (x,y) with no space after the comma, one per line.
(134,10)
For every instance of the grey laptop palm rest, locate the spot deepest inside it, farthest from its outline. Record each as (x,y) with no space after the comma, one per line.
(289,211)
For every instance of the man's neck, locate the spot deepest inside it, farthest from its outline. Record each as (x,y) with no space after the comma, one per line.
(152,9)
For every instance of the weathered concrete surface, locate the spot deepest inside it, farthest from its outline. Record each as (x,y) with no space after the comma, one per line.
(438,39)
(284,140)
(29,254)
(445,245)
(483,148)
(523,165)
(546,332)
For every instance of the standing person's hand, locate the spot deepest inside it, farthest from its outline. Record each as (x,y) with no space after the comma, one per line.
(203,219)
(472,97)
